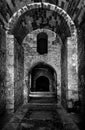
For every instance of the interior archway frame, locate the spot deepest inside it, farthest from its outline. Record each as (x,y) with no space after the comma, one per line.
(71,45)
(44,5)
(44,65)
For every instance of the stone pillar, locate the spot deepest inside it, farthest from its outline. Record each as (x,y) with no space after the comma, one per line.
(29,82)
(9,73)
(29,85)
(72,68)
(26,82)
(25,87)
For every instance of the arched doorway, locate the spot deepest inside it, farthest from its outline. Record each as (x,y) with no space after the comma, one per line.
(43,80)
(42,84)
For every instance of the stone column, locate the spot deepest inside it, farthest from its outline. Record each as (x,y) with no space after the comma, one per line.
(72,68)
(25,90)
(29,82)
(25,87)
(9,73)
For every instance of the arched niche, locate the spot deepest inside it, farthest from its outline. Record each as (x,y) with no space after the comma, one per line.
(43,70)
(42,43)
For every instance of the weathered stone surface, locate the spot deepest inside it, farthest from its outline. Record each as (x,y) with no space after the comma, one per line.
(2,70)
(41,117)
(18,74)
(53,58)
(72,65)
(9,72)
(81,73)
(17,71)
(14,73)
(28,23)
(63,76)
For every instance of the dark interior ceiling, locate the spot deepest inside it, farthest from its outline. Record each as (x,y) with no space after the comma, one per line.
(75,8)
(37,18)
(42,65)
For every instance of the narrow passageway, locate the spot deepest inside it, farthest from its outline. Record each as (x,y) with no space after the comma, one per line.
(42,78)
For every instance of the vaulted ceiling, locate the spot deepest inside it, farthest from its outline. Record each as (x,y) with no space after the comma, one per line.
(75,8)
(40,18)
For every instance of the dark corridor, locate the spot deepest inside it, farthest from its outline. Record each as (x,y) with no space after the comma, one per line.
(42,84)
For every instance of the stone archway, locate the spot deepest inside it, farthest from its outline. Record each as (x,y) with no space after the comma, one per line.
(45,73)
(44,5)
(43,77)
(71,43)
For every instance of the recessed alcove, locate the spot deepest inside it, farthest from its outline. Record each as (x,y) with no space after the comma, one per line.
(43,78)
(42,43)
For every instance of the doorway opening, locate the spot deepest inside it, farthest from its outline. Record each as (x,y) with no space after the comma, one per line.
(42,81)
(42,84)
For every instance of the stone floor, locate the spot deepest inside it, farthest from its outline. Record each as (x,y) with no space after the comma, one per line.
(41,119)
(41,114)
(4,118)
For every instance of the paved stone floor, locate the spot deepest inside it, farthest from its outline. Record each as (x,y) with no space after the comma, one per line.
(41,114)
(41,117)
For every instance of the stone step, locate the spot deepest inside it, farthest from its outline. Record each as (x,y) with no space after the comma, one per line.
(42,100)
(42,94)
(42,106)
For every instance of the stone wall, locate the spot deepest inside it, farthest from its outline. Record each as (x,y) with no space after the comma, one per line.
(64,75)
(69,72)
(81,73)
(14,73)
(53,58)
(18,74)
(2,70)
(81,57)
